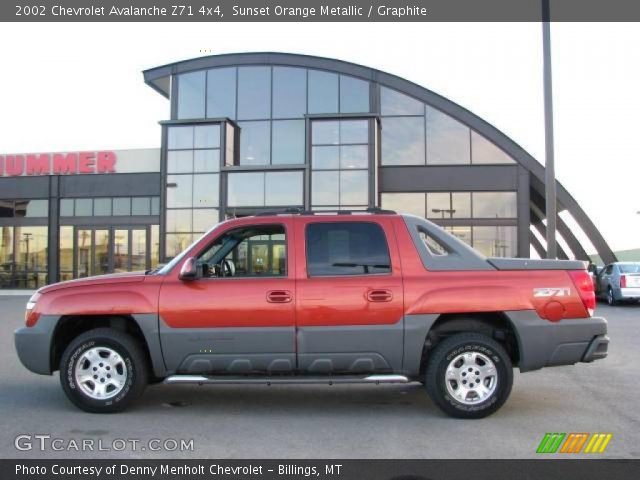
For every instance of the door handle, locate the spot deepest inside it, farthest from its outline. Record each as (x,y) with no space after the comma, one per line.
(279,296)
(379,295)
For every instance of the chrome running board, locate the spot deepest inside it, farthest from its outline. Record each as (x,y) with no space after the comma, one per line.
(280,380)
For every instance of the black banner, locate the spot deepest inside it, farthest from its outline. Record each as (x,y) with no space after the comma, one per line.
(315,10)
(324,469)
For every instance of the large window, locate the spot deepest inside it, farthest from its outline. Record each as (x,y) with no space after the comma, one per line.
(87,251)
(466,208)
(193,183)
(109,206)
(191,91)
(496,241)
(270,104)
(449,205)
(340,163)
(414,133)
(346,248)
(260,189)
(24,208)
(23,256)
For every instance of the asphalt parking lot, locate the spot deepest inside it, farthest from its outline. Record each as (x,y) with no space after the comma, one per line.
(392,421)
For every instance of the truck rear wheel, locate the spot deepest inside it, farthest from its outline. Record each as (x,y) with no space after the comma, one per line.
(103,370)
(469,375)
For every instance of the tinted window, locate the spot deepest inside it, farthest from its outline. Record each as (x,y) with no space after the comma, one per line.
(289,92)
(207,136)
(206,190)
(283,188)
(254,93)
(323,92)
(180,138)
(179,188)
(245,189)
(84,207)
(288,142)
(254,143)
(180,161)
(485,152)
(496,241)
(396,103)
(66,207)
(32,208)
(354,248)
(221,93)
(102,207)
(629,267)
(403,141)
(448,141)
(206,160)
(191,95)
(121,206)
(354,95)
(449,205)
(495,205)
(140,206)
(413,203)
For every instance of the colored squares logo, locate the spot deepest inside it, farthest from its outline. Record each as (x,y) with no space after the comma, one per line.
(574,443)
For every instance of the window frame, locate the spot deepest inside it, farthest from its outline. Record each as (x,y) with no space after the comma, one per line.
(348,222)
(288,271)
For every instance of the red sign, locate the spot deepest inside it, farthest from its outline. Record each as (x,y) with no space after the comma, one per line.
(57,163)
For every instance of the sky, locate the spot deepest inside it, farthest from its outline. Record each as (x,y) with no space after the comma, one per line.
(67,87)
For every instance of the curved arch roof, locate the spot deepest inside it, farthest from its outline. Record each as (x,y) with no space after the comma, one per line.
(159,79)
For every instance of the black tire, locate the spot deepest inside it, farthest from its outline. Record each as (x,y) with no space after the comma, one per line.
(445,352)
(611,300)
(132,356)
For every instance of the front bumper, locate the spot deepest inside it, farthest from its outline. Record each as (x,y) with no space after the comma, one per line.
(33,345)
(546,344)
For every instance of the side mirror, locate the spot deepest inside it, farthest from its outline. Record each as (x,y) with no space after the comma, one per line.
(189,270)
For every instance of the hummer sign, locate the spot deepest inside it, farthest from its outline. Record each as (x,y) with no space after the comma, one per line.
(71,163)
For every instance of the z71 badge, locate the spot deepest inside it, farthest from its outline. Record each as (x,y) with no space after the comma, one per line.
(552,292)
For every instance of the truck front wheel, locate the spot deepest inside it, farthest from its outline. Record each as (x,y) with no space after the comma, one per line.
(103,370)
(469,375)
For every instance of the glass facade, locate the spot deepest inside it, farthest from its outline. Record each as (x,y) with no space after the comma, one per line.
(193,183)
(460,212)
(109,206)
(340,163)
(414,133)
(97,250)
(289,117)
(23,256)
(24,208)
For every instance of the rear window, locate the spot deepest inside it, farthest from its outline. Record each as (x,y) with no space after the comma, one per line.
(346,248)
(629,267)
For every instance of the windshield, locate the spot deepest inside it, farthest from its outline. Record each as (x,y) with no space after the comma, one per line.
(629,268)
(167,268)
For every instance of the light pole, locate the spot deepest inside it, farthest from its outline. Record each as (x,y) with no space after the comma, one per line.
(450,211)
(27,239)
(549,164)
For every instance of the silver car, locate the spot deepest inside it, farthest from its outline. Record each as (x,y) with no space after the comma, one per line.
(618,282)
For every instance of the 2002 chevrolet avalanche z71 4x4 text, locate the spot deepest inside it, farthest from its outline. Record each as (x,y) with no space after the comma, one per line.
(369,297)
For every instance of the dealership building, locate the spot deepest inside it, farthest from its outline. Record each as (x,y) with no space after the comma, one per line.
(256,132)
